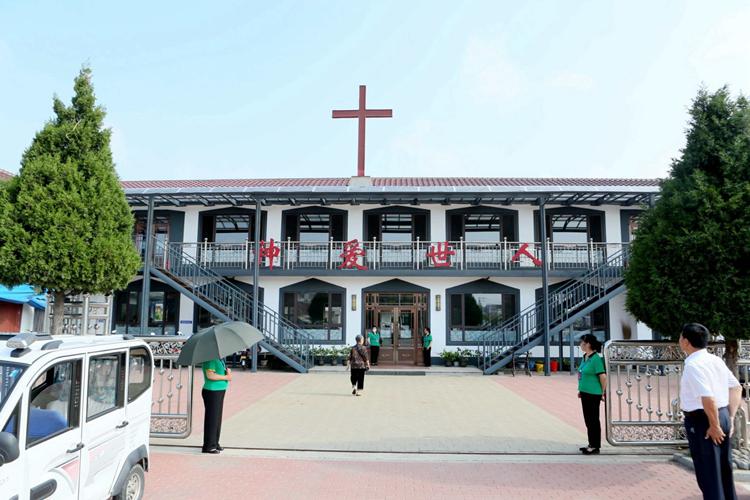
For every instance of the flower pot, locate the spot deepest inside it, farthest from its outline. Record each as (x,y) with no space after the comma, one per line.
(455,363)
(462,363)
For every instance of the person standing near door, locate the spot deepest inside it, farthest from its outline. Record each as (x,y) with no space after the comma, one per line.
(710,395)
(373,337)
(427,347)
(359,363)
(216,377)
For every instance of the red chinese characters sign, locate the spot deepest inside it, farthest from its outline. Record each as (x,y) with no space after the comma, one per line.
(351,254)
(440,255)
(524,250)
(270,252)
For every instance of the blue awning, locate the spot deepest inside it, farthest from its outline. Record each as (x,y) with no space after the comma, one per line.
(23,294)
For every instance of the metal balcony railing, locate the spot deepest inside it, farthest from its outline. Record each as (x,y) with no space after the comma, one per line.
(525,327)
(414,255)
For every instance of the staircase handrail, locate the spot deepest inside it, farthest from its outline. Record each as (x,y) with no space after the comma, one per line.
(233,300)
(520,329)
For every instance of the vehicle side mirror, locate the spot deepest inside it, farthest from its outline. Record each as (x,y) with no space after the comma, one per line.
(8,448)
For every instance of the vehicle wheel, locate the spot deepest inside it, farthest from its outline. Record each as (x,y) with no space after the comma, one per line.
(134,486)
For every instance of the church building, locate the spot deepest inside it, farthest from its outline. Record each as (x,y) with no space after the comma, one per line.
(493,266)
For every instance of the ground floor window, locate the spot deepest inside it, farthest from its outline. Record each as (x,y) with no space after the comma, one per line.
(163,311)
(472,313)
(318,313)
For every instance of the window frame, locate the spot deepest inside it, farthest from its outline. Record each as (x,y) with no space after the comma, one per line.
(74,403)
(148,376)
(119,388)
(478,287)
(328,326)
(318,286)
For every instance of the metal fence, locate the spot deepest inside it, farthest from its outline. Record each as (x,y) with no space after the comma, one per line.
(412,255)
(643,393)
(172,394)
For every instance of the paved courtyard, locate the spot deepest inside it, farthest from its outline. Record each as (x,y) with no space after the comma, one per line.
(446,414)
(438,436)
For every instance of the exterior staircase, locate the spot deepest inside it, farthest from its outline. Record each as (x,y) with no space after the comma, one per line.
(525,330)
(225,300)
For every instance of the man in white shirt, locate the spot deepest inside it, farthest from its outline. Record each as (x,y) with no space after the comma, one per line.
(709,397)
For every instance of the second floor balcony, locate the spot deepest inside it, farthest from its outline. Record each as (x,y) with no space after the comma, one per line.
(380,257)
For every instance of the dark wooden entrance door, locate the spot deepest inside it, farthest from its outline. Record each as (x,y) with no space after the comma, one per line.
(400,321)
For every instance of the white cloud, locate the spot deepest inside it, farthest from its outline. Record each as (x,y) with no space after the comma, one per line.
(571,80)
(488,73)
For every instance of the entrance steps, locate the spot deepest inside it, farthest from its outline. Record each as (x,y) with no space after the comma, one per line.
(418,371)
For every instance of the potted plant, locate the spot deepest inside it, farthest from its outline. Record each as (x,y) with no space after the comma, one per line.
(448,357)
(345,355)
(336,356)
(463,356)
(319,354)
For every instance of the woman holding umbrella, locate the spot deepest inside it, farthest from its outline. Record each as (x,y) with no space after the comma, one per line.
(208,348)
(216,378)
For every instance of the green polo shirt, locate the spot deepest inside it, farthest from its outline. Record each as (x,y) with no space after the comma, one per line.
(374,339)
(588,374)
(216,365)
(427,340)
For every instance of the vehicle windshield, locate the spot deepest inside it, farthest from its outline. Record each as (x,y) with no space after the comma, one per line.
(9,374)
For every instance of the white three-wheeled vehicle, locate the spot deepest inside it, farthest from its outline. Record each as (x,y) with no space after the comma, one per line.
(74,415)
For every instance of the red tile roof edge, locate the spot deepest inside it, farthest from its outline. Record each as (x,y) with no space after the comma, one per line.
(390,182)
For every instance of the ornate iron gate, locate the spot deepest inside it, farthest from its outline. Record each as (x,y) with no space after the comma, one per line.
(172,395)
(643,393)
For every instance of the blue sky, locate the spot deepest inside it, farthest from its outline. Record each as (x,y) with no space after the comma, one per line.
(245,89)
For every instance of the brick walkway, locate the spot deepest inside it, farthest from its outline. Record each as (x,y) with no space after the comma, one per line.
(228,476)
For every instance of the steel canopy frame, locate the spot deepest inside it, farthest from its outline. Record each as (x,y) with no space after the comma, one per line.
(208,197)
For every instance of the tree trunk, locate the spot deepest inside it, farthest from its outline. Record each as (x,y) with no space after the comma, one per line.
(730,355)
(58,313)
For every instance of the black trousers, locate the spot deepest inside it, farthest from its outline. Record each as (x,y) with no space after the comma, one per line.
(374,351)
(358,378)
(713,463)
(213,402)
(590,405)
(427,356)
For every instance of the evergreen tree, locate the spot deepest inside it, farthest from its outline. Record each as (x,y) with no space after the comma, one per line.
(69,227)
(691,254)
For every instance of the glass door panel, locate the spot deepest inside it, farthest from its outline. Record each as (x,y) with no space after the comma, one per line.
(406,328)
(385,324)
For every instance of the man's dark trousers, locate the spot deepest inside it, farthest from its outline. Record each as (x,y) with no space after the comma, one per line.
(713,463)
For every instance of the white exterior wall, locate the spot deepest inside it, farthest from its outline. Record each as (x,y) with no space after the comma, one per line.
(525,223)
(612,224)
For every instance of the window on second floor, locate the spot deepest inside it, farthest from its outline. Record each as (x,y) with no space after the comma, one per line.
(314,225)
(232,228)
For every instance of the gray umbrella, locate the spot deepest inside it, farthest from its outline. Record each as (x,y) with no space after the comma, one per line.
(218,342)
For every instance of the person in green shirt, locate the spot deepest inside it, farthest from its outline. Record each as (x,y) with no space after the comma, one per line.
(373,338)
(592,380)
(216,378)
(427,347)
